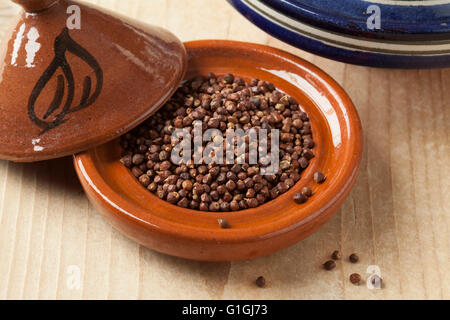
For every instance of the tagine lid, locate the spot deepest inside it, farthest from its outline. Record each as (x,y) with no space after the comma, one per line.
(73,77)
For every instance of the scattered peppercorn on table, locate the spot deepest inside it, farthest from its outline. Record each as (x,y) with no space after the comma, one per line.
(53,244)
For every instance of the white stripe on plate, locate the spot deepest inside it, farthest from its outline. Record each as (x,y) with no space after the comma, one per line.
(345,42)
(424,3)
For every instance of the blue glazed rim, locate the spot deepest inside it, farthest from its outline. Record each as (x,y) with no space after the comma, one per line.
(400,20)
(359,56)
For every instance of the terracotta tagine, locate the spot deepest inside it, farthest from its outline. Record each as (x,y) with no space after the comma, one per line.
(73,77)
(193,234)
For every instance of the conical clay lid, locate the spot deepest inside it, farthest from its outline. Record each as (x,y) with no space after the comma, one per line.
(73,77)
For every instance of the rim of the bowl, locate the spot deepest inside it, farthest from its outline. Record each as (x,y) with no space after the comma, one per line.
(401,20)
(86,169)
(353,50)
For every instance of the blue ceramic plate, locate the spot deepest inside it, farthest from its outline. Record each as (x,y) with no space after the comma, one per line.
(379,33)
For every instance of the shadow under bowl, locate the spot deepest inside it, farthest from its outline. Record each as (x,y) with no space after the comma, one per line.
(191,234)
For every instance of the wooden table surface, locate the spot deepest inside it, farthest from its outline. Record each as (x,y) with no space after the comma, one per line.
(397,216)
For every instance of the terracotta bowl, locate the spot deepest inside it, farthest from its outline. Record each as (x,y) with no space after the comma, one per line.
(186,233)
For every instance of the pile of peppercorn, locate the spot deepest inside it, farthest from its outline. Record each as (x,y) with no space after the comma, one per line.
(220,102)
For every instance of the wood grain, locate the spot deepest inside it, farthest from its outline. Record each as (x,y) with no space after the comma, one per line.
(397,216)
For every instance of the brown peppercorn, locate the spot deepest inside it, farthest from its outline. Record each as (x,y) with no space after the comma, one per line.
(228,78)
(223,223)
(213,123)
(236,168)
(136,172)
(336,255)
(214,195)
(171,188)
(274,193)
(303,162)
(319,177)
(307,191)
(205,198)
(214,185)
(207,179)
(243,204)
(297,123)
(224,206)
(183,193)
(251,193)
(252,202)
(308,143)
(184,203)
(184,175)
(214,206)
(256,101)
(300,198)
(294,176)
(329,265)
(230,107)
(178,122)
(221,190)
(260,198)
(221,178)
(138,159)
(193,172)
(242,176)
(198,189)
(199,178)
(240,185)
(230,175)
(127,160)
(260,282)
(282,187)
(202,170)
(258,187)
(187,185)
(234,205)
(214,171)
(353,258)
(355,278)
(304,116)
(171,179)
(163,155)
(154,148)
(194,204)
(308,154)
(233,97)
(165,165)
(289,182)
(230,185)
(227,197)
(173,197)
(152,186)
(187,121)
(252,171)
(144,180)
(161,194)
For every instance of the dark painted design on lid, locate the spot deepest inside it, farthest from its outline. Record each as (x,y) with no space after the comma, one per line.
(64,43)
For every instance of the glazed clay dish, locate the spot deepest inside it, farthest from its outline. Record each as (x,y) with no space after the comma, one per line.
(65,89)
(279,223)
